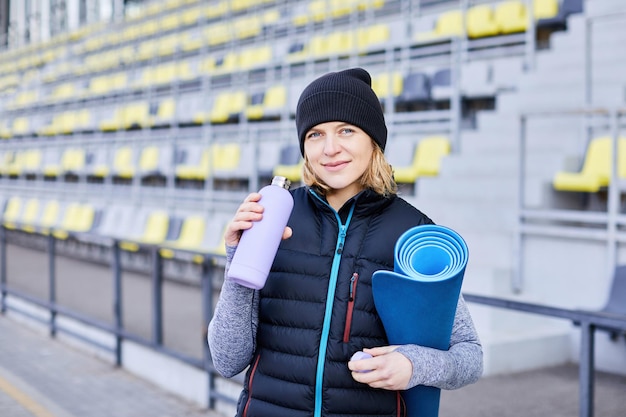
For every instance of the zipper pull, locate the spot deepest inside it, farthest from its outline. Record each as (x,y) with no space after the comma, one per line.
(353,279)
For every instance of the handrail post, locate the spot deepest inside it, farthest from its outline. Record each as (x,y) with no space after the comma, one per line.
(3,269)
(117,300)
(52,282)
(157,297)
(207,313)
(518,242)
(586,370)
(531,37)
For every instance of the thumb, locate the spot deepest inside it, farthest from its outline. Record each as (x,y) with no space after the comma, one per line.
(287,233)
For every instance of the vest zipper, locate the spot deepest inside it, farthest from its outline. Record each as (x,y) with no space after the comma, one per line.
(346,331)
(330,298)
(250,380)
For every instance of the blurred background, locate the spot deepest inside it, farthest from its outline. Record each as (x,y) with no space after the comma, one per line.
(131,130)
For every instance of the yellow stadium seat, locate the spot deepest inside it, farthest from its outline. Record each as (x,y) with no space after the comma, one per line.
(154,232)
(20,126)
(387,84)
(449,24)
(426,160)
(226,156)
(123,164)
(272,105)
(77,218)
(227,106)
(15,164)
(254,57)
(165,113)
(30,215)
(170,21)
(480,21)
(511,16)
(136,115)
(49,217)
(5,132)
(545,9)
(290,164)
(371,36)
(595,173)
(32,162)
(72,162)
(190,237)
(199,171)
(247,27)
(12,212)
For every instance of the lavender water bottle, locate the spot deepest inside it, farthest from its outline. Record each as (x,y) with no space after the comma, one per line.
(258,245)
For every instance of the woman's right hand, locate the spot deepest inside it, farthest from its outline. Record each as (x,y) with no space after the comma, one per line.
(248,212)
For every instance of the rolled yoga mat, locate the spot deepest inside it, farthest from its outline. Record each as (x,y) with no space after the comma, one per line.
(417,300)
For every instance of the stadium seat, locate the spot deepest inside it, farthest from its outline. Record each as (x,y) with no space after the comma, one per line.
(32,211)
(189,239)
(426,160)
(415,92)
(595,173)
(5,132)
(21,126)
(387,84)
(511,16)
(154,162)
(162,114)
(197,165)
(441,84)
(124,163)
(49,217)
(271,105)
(371,36)
(12,212)
(448,24)
(72,162)
(565,9)
(255,57)
(480,21)
(290,164)
(546,9)
(32,163)
(154,232)
(77,218)
(213,237)
(15,164)
(227,107)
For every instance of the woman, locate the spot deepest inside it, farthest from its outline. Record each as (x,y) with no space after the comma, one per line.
(316,310)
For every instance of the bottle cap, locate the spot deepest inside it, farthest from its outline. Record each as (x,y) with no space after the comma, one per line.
(281,182)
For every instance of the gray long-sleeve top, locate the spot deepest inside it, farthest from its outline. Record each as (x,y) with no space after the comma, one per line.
(232,336)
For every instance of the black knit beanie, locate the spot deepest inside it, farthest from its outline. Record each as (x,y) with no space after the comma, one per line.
(344,96)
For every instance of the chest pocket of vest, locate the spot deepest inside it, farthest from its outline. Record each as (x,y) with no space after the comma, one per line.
(349,311)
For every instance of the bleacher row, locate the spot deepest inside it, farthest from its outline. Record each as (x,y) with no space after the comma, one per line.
(188,237)
(151,99)
(53,86)
(195,164)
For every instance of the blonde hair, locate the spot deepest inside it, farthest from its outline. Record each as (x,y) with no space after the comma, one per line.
(378,177)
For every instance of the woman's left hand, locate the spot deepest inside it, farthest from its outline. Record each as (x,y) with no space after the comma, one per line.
(387,369)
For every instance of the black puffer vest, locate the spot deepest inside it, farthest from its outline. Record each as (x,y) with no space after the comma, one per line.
(317,309)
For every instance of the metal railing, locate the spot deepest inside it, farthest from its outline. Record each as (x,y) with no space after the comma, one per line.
(589,322)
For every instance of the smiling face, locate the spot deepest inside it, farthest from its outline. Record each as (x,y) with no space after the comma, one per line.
(338,153)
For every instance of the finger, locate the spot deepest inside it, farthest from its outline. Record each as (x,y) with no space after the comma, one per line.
(381,350)
(287,233)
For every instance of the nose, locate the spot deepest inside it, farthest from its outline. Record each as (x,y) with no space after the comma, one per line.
(331,145)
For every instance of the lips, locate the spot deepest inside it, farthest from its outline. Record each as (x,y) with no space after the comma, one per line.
(335,166)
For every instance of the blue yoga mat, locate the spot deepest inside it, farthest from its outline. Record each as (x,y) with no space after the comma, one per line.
(417,300)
